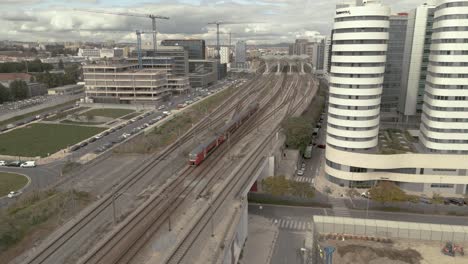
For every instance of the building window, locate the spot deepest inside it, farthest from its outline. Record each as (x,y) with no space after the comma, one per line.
(441,185)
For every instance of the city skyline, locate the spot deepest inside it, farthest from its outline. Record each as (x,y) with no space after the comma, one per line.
(260,22)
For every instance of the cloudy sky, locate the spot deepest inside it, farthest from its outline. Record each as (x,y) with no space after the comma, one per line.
(258,21)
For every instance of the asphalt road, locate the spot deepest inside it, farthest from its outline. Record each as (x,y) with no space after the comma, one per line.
(47,175)
(293,222)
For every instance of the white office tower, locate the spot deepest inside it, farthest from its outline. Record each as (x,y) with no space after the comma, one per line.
(444,122)
(360,37)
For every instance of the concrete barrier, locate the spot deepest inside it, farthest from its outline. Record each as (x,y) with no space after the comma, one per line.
(390,229)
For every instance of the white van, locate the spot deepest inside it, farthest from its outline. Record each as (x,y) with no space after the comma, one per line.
(28,164)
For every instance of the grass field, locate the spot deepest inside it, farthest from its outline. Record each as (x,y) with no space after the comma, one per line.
(108,112)
(11,182)
(41,139)
(64,114)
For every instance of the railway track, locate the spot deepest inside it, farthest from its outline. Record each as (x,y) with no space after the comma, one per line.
(137,230)
(44,252)
(253,160)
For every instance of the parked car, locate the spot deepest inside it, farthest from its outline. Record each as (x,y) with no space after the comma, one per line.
(98,137)
(425,200)
(366,195)
(162,107)
(166,113)
(126,135)
(300,172)
(15,163)
(75,148)
(91,140)
(83,144)
(3,163)
(321,146)
(14,194)
(455,201)
(28,164)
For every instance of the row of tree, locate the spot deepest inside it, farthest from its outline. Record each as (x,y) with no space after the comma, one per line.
(18,90)
(30,66)
(51,80)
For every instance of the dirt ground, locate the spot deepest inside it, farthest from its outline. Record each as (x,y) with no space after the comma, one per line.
(398,252)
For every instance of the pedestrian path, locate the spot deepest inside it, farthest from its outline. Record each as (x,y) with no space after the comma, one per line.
(292,224)
(339,207)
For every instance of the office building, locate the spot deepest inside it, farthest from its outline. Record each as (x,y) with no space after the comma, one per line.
(101,53)
(203,73)
(225,55)
(124,83)
(431,159)
(176,82)
(327,55)
(178,55)
(241,56)
(195,47)
(393,69)
(415,62)
(356,77)
(444,121)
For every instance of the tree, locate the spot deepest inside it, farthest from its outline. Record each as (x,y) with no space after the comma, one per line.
(278,185)
(386,191)
(4,94)
(298,133)
(19,90)
(60,64)
(301,189)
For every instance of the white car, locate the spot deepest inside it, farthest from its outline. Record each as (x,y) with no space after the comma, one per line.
(3,163)
(126,135)
(300,172)
(28,164)
(166,113)
(13,194)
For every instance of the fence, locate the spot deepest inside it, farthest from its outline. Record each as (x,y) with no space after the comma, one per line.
(390,229)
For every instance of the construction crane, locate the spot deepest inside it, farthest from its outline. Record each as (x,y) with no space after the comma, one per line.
(150,16)
(139,50)
(217,23)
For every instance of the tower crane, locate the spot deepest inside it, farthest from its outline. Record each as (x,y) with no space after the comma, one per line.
(150,16)
(217,23)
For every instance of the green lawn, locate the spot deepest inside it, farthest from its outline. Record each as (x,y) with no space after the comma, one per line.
(66,113)
(40,139)
(108,112)
(11,182)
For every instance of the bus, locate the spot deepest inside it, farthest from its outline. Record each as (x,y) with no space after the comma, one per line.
(308,152)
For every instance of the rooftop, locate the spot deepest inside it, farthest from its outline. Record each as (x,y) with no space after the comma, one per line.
(15,76)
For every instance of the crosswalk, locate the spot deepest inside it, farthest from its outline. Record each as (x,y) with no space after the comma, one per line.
(292,224)
(303,179)
(339,207)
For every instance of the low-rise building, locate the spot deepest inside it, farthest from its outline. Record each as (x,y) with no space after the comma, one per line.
(71,89)
(124,83)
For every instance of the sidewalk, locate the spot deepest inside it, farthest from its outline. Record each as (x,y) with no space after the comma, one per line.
(261,241)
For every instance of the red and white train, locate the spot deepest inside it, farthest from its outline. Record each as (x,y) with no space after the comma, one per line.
(201,152)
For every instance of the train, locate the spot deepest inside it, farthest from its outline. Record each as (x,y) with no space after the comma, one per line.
(202,151)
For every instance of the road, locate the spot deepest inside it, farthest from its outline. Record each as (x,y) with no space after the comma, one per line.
(293,222)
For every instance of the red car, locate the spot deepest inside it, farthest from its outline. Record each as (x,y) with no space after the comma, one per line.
(322,146)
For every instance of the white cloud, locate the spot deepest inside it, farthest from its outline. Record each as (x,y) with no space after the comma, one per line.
(263,20)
